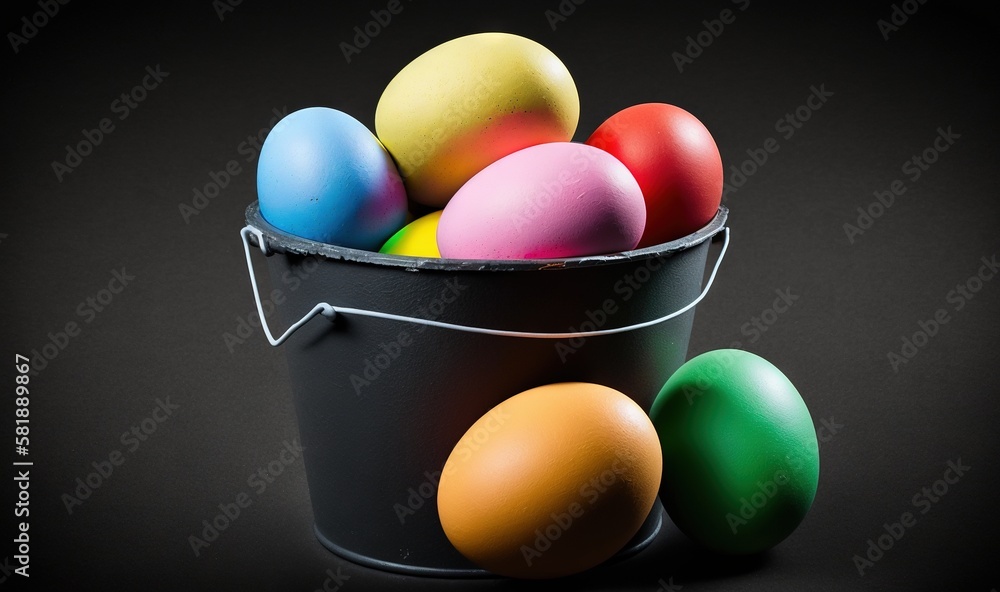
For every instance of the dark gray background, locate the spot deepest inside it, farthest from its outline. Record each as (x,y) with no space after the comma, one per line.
(162,336)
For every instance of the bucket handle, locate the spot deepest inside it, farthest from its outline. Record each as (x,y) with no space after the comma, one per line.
(329,311)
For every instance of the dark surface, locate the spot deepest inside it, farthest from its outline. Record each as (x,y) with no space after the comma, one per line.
(163,335)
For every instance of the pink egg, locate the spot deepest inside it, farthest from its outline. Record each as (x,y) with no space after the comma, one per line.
(549,201)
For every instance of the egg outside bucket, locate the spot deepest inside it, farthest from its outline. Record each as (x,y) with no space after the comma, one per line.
(413,351)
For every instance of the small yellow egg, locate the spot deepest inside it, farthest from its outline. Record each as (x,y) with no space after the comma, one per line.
(416,239)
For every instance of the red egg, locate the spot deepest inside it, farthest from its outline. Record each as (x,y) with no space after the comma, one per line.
(676,162)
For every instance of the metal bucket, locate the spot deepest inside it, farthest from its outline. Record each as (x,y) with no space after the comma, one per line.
(418,349)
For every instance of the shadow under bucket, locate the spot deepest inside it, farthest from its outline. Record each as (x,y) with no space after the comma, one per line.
(413,351)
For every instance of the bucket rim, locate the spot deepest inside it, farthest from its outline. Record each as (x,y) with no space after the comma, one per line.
(279,241)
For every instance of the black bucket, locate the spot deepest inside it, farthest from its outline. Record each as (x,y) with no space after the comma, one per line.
(418,349)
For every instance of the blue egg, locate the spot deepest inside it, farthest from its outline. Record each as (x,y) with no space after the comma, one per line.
(322,175)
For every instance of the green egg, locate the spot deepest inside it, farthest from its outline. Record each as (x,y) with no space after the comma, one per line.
(740,455)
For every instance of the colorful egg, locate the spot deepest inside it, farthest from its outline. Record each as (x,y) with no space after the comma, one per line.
(676,162)
(322,175)
(555,200)
(468,102)
(551,482)
(416,239)
(740,455)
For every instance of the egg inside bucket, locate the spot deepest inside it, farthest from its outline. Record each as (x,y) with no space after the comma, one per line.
(554,200)
(324,176)
(551,482)
(468,102)
(416,239)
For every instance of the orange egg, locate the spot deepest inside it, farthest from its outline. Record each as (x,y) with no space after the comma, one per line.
(551,482)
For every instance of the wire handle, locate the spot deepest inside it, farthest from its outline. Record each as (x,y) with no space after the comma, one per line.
(329,311)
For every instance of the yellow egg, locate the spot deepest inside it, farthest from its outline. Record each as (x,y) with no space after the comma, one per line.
(468,102)
(551,482)
(416,239)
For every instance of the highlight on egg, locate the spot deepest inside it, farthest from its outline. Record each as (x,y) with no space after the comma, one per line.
(553,200)
(551,482)
(468,102)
